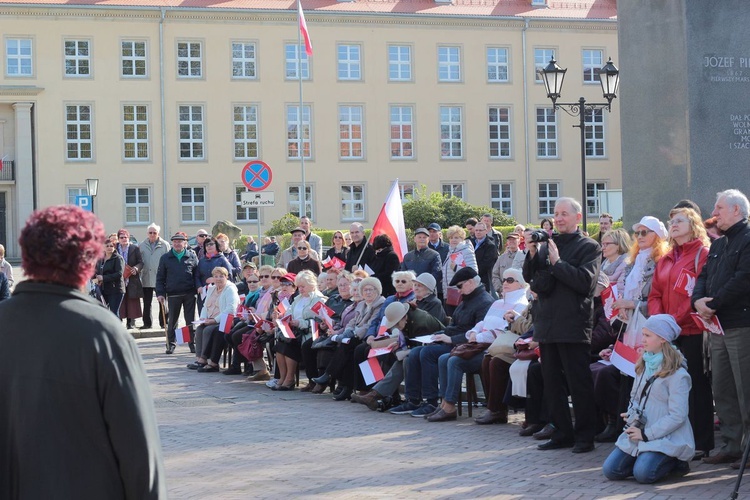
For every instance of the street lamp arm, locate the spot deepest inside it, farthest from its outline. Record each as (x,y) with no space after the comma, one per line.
(574,108)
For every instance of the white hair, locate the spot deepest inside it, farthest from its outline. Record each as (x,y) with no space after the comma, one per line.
(154,227)
(573,203)
(735,197)
(403,275)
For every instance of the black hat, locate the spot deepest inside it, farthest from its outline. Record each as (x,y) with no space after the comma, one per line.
(179,236)
(464,274)
(421,230)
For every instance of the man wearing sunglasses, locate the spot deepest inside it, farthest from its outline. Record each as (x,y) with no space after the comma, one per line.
(291,253)
(563,273)
(200,237)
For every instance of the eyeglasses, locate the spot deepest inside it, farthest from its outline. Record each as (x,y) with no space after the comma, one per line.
(301,248)
(275,277)
(368,289)
(201,235)
(253,281)
(338,238)
(676,220)
(265,276)
(460,285)
(608,243)
(402,282)
(642,233)
(152,232)
(510,281)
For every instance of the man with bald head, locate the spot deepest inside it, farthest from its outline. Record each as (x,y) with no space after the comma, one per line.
(562,272)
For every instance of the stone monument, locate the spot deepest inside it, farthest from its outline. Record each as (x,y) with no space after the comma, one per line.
(684,102)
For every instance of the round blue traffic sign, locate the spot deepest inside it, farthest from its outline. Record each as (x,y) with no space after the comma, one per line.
(256,175)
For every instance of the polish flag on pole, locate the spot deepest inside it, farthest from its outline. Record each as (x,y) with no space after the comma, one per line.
(182,335)
(303,29)
(314,330)
(284,308)
(225,322)
(391,222)
(624,358)
(371,371)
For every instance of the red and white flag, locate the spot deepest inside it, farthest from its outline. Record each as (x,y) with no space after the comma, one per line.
(624,358)
(458,260)
(333,262)
(182,335)
(254,318)
(285,329)
(609,296)
(303,29)
(225,322)
(378,351)
(284,308)
(371,371)
(382,329)
(324,312)
(314,330)
(391,222)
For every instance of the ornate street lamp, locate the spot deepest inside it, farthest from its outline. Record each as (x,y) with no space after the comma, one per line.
(92,187)
(553,76)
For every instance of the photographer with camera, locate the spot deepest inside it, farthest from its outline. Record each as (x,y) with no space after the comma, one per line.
(657,439)
(562,271)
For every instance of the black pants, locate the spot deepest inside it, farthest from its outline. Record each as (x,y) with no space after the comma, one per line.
(310,359)
(569,362)
(148,297)
(234,339)
(701,399)
(536,410)
(341,366)
(175,304)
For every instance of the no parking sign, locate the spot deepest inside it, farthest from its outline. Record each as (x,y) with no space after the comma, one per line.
(256,175)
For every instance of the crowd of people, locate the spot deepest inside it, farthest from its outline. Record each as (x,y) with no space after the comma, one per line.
(541,320)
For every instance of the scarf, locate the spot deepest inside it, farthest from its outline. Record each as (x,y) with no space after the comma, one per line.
(652,362)
(178,255)
(634,280)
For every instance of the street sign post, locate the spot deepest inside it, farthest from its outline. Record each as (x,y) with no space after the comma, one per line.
(256,175)
(257,199)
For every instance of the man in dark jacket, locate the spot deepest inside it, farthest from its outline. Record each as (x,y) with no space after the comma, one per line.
(436,241)
(423,259)
(485,252)
(723,290)
(175,283)
(361,253)
(563,274)
(422,371)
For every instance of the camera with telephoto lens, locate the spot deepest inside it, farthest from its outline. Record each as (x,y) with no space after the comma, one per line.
(635,418)
(539,236)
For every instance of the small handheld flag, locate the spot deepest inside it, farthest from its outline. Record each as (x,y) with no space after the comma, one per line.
(225,322)
(182,335)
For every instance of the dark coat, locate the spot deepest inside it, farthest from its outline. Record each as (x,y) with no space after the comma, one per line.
(343,254)
(565,306)
(176,277)
(4,287)
(441,248)
(309,264)
(134,288)
(84,428)
(470,311)
(424,261)
(726,277)
(270,248)
(432,305)
(486,256)
(365,249)
(206,267)
(111,270)
(384,264)
(419,322)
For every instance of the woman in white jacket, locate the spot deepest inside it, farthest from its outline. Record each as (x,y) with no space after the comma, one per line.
(658,439)
(221,300)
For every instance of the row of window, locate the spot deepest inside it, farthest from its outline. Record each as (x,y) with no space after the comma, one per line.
(136,143)
(352,199)
(134,59)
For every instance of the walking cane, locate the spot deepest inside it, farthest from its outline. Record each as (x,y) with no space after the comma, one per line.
(734,494)
(163,307)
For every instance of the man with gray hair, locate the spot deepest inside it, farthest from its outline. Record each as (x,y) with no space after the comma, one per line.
(152,248)
(722,290)
(563,273)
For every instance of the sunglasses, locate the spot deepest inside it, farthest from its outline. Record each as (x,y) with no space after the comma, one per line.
(253,281)
(201,235)
(460,285)
(509,280)
(642,233)
(152,232)
(338,238)
(286,283)
(265,276)
(301,248)
(403,282)
(275,277)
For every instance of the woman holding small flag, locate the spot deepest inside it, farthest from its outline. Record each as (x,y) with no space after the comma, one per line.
(671,289)
(339,248)
(220,306)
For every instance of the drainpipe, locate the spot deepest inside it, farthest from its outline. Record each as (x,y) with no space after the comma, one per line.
(162,104)
(527,159)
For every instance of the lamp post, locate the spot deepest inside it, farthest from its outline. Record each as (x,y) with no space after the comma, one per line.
(553,76)
(92,186)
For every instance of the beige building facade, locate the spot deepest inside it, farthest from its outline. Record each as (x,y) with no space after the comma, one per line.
(165,107)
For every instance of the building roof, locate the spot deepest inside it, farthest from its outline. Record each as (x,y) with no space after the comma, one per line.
(580,9)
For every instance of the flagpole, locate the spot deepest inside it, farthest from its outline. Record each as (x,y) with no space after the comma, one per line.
(300,148)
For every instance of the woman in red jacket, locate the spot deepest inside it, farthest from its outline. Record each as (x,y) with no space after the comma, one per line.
(671,289)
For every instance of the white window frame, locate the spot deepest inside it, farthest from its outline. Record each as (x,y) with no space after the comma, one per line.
(542,55)
(453,189)
(194,204)
(191,132)
(243,215)
(400,126)
(498,63)
(548,200)
(292,137)
(353,198)
(137,205)
(19,57)
(399,63)
(408,189)
(592,61)
(449,64)
(501,196)
(595,133)
(293,201)
(546,133)
(349,62)
(246,127)
(78,57)
(451,123)
(244,60)
(135,132)
(498,130)
(130,52)
(189,64)
(351,132)
(74,191)
(592,196)
(291,71)
(79,132)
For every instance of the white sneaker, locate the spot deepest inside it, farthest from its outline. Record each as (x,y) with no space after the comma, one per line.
(272,383)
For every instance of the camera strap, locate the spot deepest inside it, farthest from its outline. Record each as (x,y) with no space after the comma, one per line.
(646,392)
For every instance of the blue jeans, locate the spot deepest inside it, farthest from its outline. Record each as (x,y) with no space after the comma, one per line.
(648,467)
(452,369)
(422,372)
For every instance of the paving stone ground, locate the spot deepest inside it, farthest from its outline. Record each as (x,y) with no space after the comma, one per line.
(225,437)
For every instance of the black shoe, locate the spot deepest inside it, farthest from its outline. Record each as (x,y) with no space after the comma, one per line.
(195,365)
(545,433)
(191,345)
(232,370)
(608,435)
(147,327)
(346,393)
(208,369)
(583,447)
(130,324)
(323,379)
(530,429)
(170,349)
(555,445)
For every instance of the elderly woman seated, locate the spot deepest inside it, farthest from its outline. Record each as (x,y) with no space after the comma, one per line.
(452,368)
(288,351)
(221,299)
